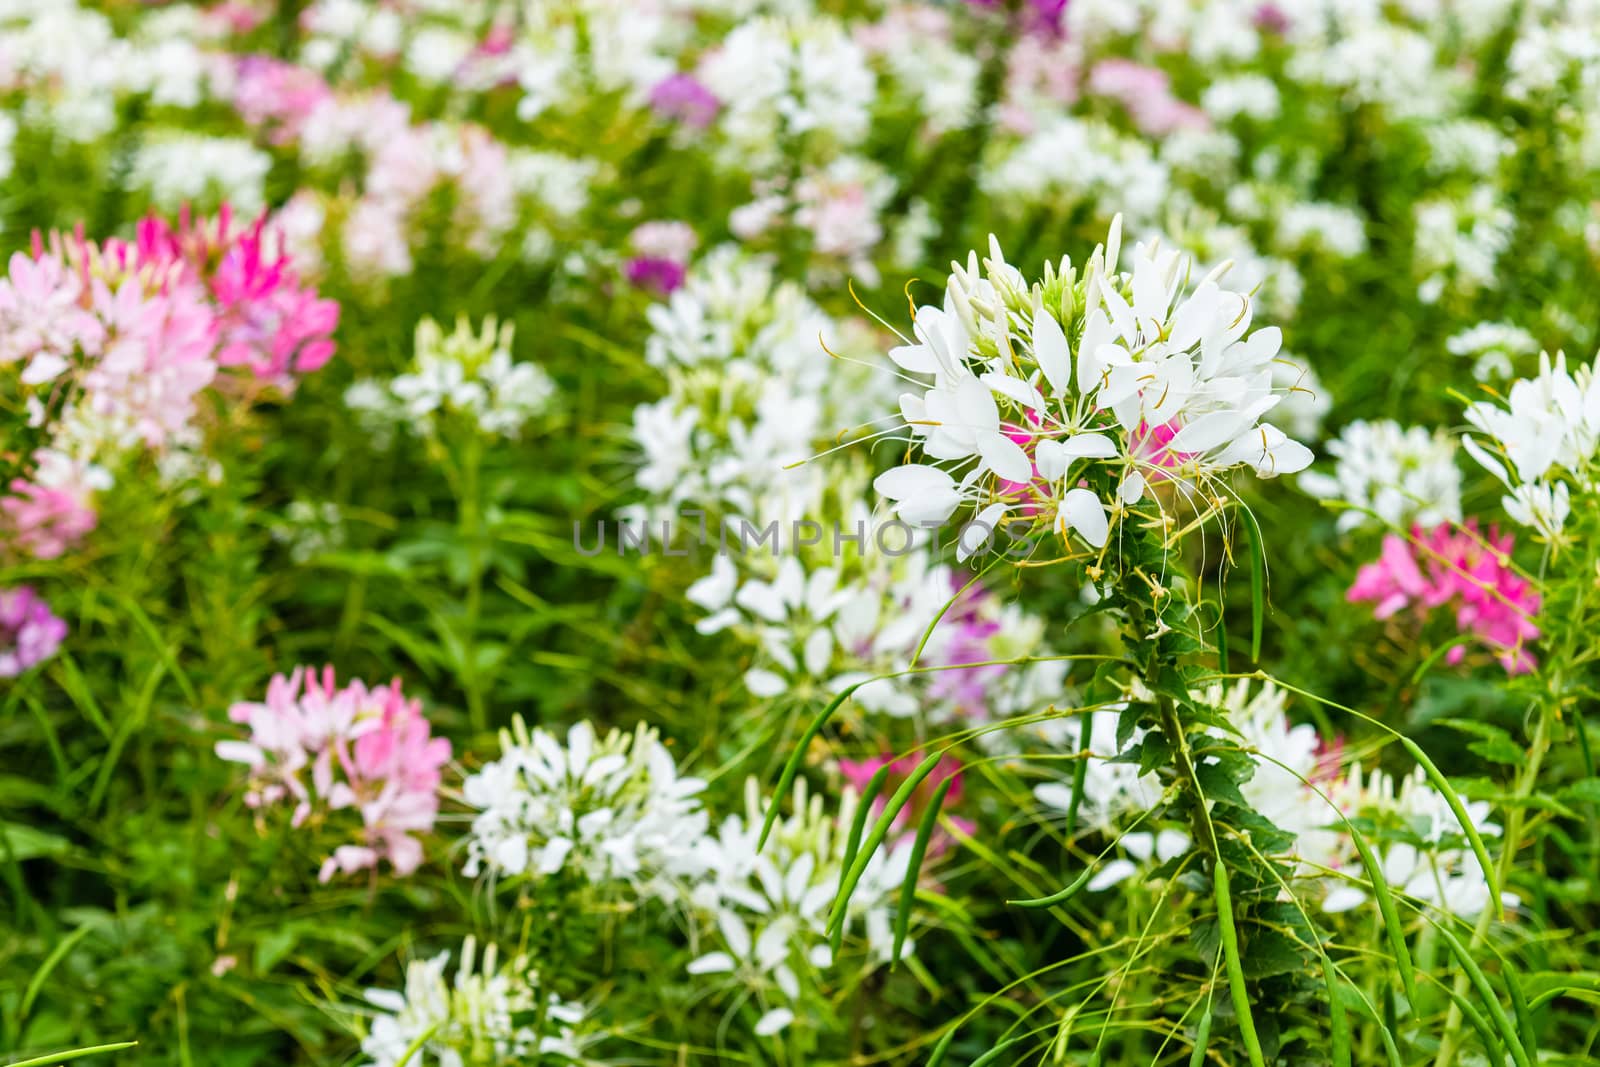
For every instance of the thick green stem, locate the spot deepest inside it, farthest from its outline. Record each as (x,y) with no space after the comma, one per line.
(1206,834)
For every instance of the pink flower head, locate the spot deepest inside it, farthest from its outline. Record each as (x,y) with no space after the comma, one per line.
(1146,93)
(684,98)
(1270,18)
(43,320)
(30,633)
(1456,566)
(662,251)
(268,91)
(658,275)
(43,521)
(265,319)
(370,751)
(158,356)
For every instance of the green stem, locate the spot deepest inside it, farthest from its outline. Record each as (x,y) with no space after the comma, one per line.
(472,533)
(1550,702)
(1206,833)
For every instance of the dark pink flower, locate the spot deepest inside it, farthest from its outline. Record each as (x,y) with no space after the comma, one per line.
(1459,567)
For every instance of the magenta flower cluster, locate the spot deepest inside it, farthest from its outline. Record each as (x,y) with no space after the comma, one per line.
(327,750)
(131,333)
(29,631)
(1460,568)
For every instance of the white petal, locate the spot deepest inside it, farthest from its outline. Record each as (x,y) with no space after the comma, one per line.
(1005,457)
(1082,511)
(1116,871)
(913,480)
(1051,351)
(1131,490)
(1015,389)
(711,963)
(764,683)
(980,532)
(1208,431)
(774,1022)
(1089,446)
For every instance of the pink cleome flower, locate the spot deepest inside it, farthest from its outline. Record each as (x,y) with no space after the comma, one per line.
(1146,93)
(685,98)
(1461,567)
(268,91)
(269,322)
(327,749)
(30,633)
(43,522)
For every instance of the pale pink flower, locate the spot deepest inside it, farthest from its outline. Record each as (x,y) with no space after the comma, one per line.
(44,517)
(1146,93)
(158,357)
(269,92)
(374,240)
(685,98)
(328,749)
(486,207)
(42,317)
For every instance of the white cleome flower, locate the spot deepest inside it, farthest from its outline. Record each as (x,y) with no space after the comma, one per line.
(1165,386)
(482,1010)
(611,810)
(1391,475)
(767,911)
(466,374)
(1542,442)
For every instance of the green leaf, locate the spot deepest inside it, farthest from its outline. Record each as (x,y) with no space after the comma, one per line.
(919,848)
(27,843)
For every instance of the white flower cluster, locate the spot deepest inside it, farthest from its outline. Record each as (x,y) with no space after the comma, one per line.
(466,374)
(1420,846)
(483,1010)
(182,169)
(1169,387)
(831,627)
(1300,790)
(785,78)
(751,393)
(1108,167)
(1542,442)
(767,911)
(1494,346)
(1392,475)
(615,811)
(74,69)
(611,809)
